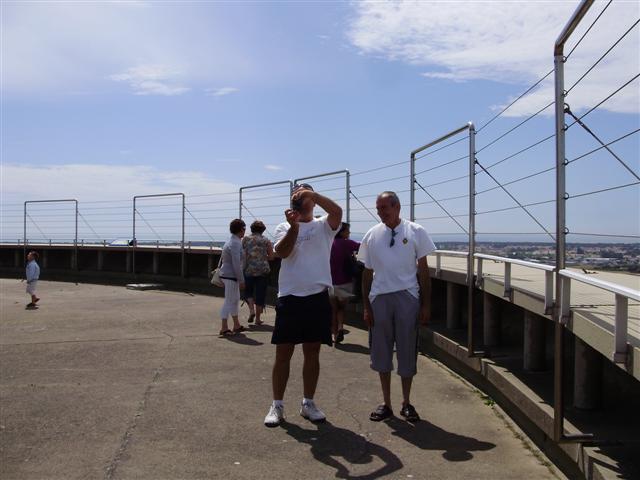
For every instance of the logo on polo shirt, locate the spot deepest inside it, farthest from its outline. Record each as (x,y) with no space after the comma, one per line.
(405,241)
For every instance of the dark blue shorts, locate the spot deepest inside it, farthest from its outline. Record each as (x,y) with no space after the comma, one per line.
(256,288)
(303,319)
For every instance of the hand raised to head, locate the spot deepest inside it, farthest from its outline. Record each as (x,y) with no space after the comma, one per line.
(292,216)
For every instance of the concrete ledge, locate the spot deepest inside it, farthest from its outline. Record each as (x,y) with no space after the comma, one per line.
(529,411)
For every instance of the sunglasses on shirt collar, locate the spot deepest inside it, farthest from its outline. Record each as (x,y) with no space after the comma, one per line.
(393,237)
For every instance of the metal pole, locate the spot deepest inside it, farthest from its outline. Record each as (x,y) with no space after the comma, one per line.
(561,231)
(24,238)
(184,265)
(75,242)
(263,185)
(347,186)
(348,200)
(472,238)
(133,240)
(412,188)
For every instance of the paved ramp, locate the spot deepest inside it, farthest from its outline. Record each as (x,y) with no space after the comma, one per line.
(105,382)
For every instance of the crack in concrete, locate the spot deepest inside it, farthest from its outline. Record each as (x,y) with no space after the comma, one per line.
(124,443)
(90,340)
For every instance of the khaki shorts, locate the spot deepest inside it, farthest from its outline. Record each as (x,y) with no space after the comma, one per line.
(31,287)
(395,322)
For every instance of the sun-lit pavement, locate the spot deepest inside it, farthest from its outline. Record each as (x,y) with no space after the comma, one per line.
(104,382)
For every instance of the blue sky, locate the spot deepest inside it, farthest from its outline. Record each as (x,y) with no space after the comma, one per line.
(103,101)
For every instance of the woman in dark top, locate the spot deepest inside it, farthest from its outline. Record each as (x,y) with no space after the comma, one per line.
(342,261)
(258,250)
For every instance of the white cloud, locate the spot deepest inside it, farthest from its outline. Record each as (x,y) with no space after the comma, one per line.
(102,182)
(68,47)
(273,167)
(151,80)
(509,42)
(220,92)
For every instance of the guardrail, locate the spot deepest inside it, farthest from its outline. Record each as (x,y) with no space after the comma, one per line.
(548,276)
(622,295)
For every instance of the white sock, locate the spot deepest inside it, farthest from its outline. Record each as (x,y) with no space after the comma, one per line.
(278,403)
(306,401)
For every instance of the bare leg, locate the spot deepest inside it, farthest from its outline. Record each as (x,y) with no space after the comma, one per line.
(310,368)
(406,390)
(385,383)
(236,322)
(334,316)
(225,325)
(280,374)
(259,310)
(340,314)
(251,304)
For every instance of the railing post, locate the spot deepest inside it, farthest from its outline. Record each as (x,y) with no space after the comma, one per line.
(548,292)
(471,350)
(620,329)
(183,257)
(507,280)
(438,264)
(561,228)
(565,300)
(412,188)
(479,275)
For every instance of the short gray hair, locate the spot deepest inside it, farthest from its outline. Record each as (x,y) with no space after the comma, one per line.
(392,195)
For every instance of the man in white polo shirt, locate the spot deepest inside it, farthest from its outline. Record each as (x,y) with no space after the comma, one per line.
(303,311)
(396,292)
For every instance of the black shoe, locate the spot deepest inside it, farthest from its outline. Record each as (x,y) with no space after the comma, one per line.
(340,336)
(251,317)
(409,413)
(382,412)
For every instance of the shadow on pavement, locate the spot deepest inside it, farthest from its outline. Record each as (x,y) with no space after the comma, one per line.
(329,443)
(242,339)
(352,348)
(427,436)
(260,328)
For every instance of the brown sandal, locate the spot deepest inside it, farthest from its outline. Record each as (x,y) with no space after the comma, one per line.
(225,333)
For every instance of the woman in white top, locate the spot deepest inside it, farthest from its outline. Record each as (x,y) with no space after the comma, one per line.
(233,278)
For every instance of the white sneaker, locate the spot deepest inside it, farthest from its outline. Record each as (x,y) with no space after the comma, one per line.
(275,416)
(311,412)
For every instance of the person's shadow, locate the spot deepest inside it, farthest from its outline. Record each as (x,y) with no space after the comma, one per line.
(352,348)
(328,443)
(263,327)
(427,436)
(242,339)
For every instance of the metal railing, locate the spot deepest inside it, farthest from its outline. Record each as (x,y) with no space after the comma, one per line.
(508,291)
(347,187)
(134,241)
(75,238)
(622,294)
(471,212)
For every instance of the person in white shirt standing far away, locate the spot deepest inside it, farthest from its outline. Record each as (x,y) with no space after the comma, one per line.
(303,311)
(396,292)
(32,274)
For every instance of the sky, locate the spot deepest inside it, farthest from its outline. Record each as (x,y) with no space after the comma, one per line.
(102,101)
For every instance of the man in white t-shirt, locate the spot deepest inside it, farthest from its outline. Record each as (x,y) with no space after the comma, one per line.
(303,311)
(396,292)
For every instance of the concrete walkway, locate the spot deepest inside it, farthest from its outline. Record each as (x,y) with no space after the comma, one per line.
(104,382)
